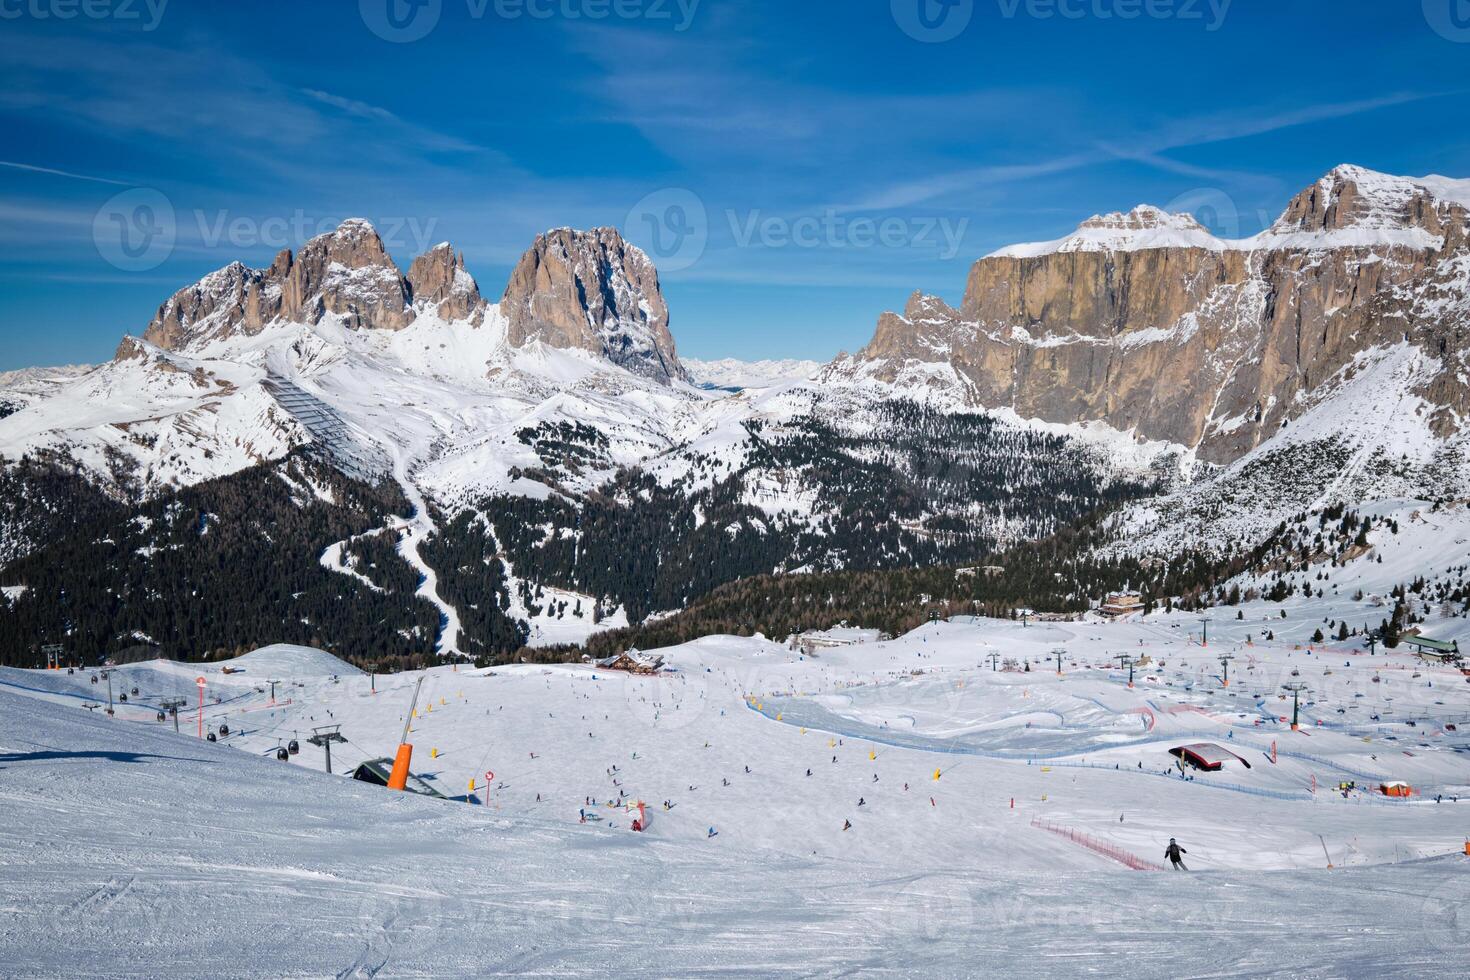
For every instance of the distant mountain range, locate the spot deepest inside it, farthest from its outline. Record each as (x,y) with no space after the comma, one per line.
(546,466)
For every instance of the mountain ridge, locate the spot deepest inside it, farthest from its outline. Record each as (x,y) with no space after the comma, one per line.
(559,457)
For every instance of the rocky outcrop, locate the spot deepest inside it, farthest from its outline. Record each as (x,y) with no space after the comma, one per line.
(580,290)
(592,291)
(1155,326)
(438,279)
(346,273)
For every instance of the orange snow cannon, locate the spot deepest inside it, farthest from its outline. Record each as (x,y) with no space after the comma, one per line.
(398,778)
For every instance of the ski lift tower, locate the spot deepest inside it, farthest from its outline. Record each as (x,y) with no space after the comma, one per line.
(1205,634)
(324,737)
(1296,688)
(994,659)
(1126,660)
(108,674)
(172,706)
(1225,659)
(53,652)
(1059,653)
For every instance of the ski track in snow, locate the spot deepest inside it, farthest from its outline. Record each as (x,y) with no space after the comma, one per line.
(131,851)
(412,532)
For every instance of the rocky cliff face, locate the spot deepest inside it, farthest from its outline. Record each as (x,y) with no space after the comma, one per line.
(1147,322)
(346,272)
(574,290)
(438,278)
(592,291)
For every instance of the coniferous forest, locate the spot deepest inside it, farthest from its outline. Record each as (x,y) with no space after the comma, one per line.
(936,515)
(215,570)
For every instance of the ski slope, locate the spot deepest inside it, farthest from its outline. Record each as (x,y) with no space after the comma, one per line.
(993,833)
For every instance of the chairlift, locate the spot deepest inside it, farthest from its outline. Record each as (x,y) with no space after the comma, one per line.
(224,729)
(293,746)
(162,716)
(282,754)
(210,737)
(123,696)
(135,692)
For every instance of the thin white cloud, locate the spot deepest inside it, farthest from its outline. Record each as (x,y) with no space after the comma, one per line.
(32,168)
(1146,148)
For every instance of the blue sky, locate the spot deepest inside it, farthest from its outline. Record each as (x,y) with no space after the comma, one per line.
(794,168)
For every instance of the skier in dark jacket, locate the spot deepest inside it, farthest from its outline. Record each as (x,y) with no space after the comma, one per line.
(1175,854)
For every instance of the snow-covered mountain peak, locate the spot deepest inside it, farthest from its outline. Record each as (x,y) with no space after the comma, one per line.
(1145,227)
(1352,206)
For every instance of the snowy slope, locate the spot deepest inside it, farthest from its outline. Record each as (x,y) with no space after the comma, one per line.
(1366,439)
(736,375)
(286,660)
(152,835)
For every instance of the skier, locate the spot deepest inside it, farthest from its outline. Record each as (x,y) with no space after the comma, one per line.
(847,825)
(808,772)
(1175,854)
